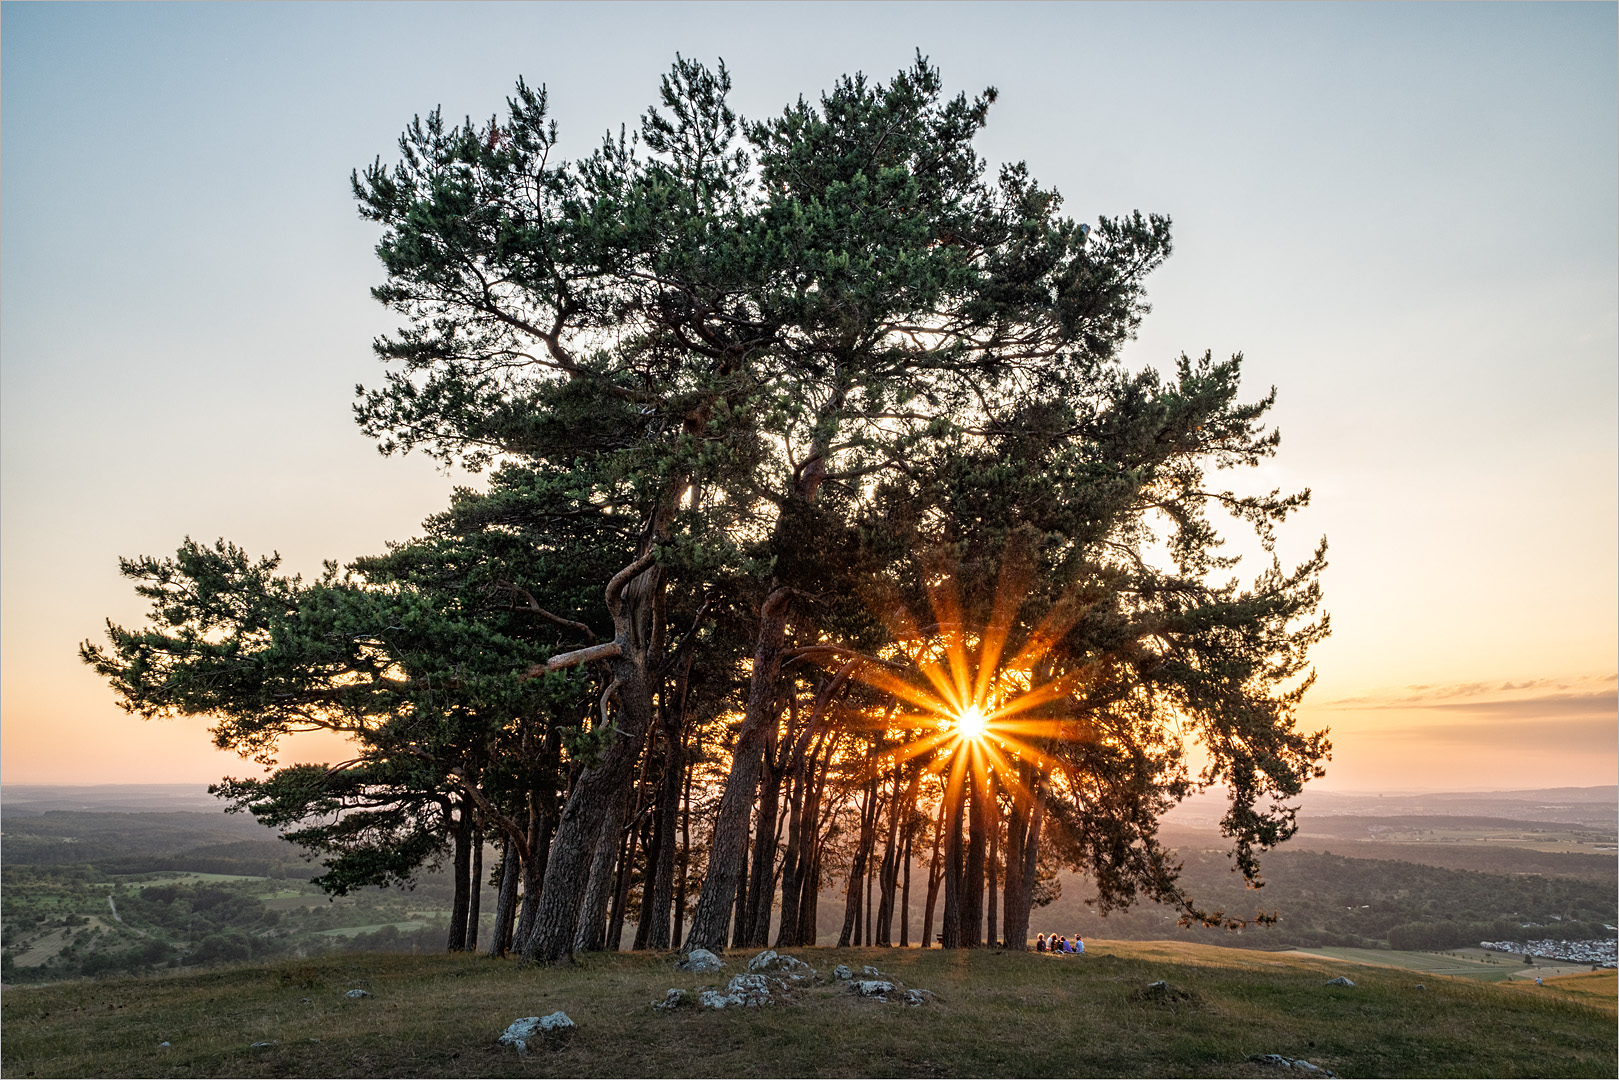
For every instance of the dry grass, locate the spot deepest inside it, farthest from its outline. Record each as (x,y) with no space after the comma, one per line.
(997,1014)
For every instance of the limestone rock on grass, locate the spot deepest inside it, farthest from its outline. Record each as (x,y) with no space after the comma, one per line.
(700,960)
(842,972)
(791,966)
(674,999)
(876,988)
(1277,1061)
(919,997)
(743,990)
(357,993)
(522,1032)
(1339,981)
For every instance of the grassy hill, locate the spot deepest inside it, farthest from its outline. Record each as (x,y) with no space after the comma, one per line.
(996,1014)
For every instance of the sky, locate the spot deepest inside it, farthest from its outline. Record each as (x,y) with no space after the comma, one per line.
(1404,216)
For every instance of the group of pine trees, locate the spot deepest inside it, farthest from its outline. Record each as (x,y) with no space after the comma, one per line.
(779,419)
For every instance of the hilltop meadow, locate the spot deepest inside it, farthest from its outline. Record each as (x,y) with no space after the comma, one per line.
(996,1013)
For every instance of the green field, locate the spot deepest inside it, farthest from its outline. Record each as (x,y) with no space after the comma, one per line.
(996,1014)
(1432,963)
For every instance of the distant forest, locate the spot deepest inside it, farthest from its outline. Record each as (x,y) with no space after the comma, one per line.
(245,896)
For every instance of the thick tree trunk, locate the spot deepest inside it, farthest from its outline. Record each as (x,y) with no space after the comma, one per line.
(500,938)
(727,859)
(595,800)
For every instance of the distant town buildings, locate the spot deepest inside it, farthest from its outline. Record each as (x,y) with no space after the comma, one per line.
(1604,952)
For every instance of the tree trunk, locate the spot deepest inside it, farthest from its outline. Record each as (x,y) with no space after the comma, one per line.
(1021,863)
(539,852)
(475,889)
(500,938)
(727,858)
(739,911)
(954,873)
(935,871)
(992,891)
(662,889)
(905,896)
(972,893)
(461,868)
(761,894)
(679,925)
(596,798)
(852,924)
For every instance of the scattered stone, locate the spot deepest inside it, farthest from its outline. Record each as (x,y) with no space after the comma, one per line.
(700,960)
(792,966)
(261,1045)
(165,1042)
(842,972)
(674,999)
(522,1032)
(1279,1062)
(710,999)
(919,997)
(1339,981)
(872,973)
(1421,987)
(876,988)
(356,993)
(1162,993)
(305,1001)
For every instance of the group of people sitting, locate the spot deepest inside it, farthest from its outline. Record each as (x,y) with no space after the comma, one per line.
(1058,944)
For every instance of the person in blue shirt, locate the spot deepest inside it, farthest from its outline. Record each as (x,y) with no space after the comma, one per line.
(1079,945)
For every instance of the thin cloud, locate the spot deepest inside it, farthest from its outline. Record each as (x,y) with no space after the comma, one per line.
(1561,695)
(1593,735)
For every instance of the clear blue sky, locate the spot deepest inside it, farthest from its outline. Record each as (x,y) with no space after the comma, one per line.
(1404,215)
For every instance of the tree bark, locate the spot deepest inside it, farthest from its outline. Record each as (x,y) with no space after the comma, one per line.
(905,895)
(461,867)
(597,795)
(500,938)
(954,873)
(475,888)
(727,859)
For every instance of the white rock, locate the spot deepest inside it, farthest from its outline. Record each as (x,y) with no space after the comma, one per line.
(710,999)
(165,1042)
(750,989)
(255,1046)
(356,993)
(872,987)
(918,997)
(674,999)
(771,960)
(700,960)
(842,972)
(1339,981)
(872,973)
(521,1031)
(1280,1062)
(764,961)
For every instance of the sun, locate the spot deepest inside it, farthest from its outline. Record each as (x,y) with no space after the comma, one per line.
(971,723)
